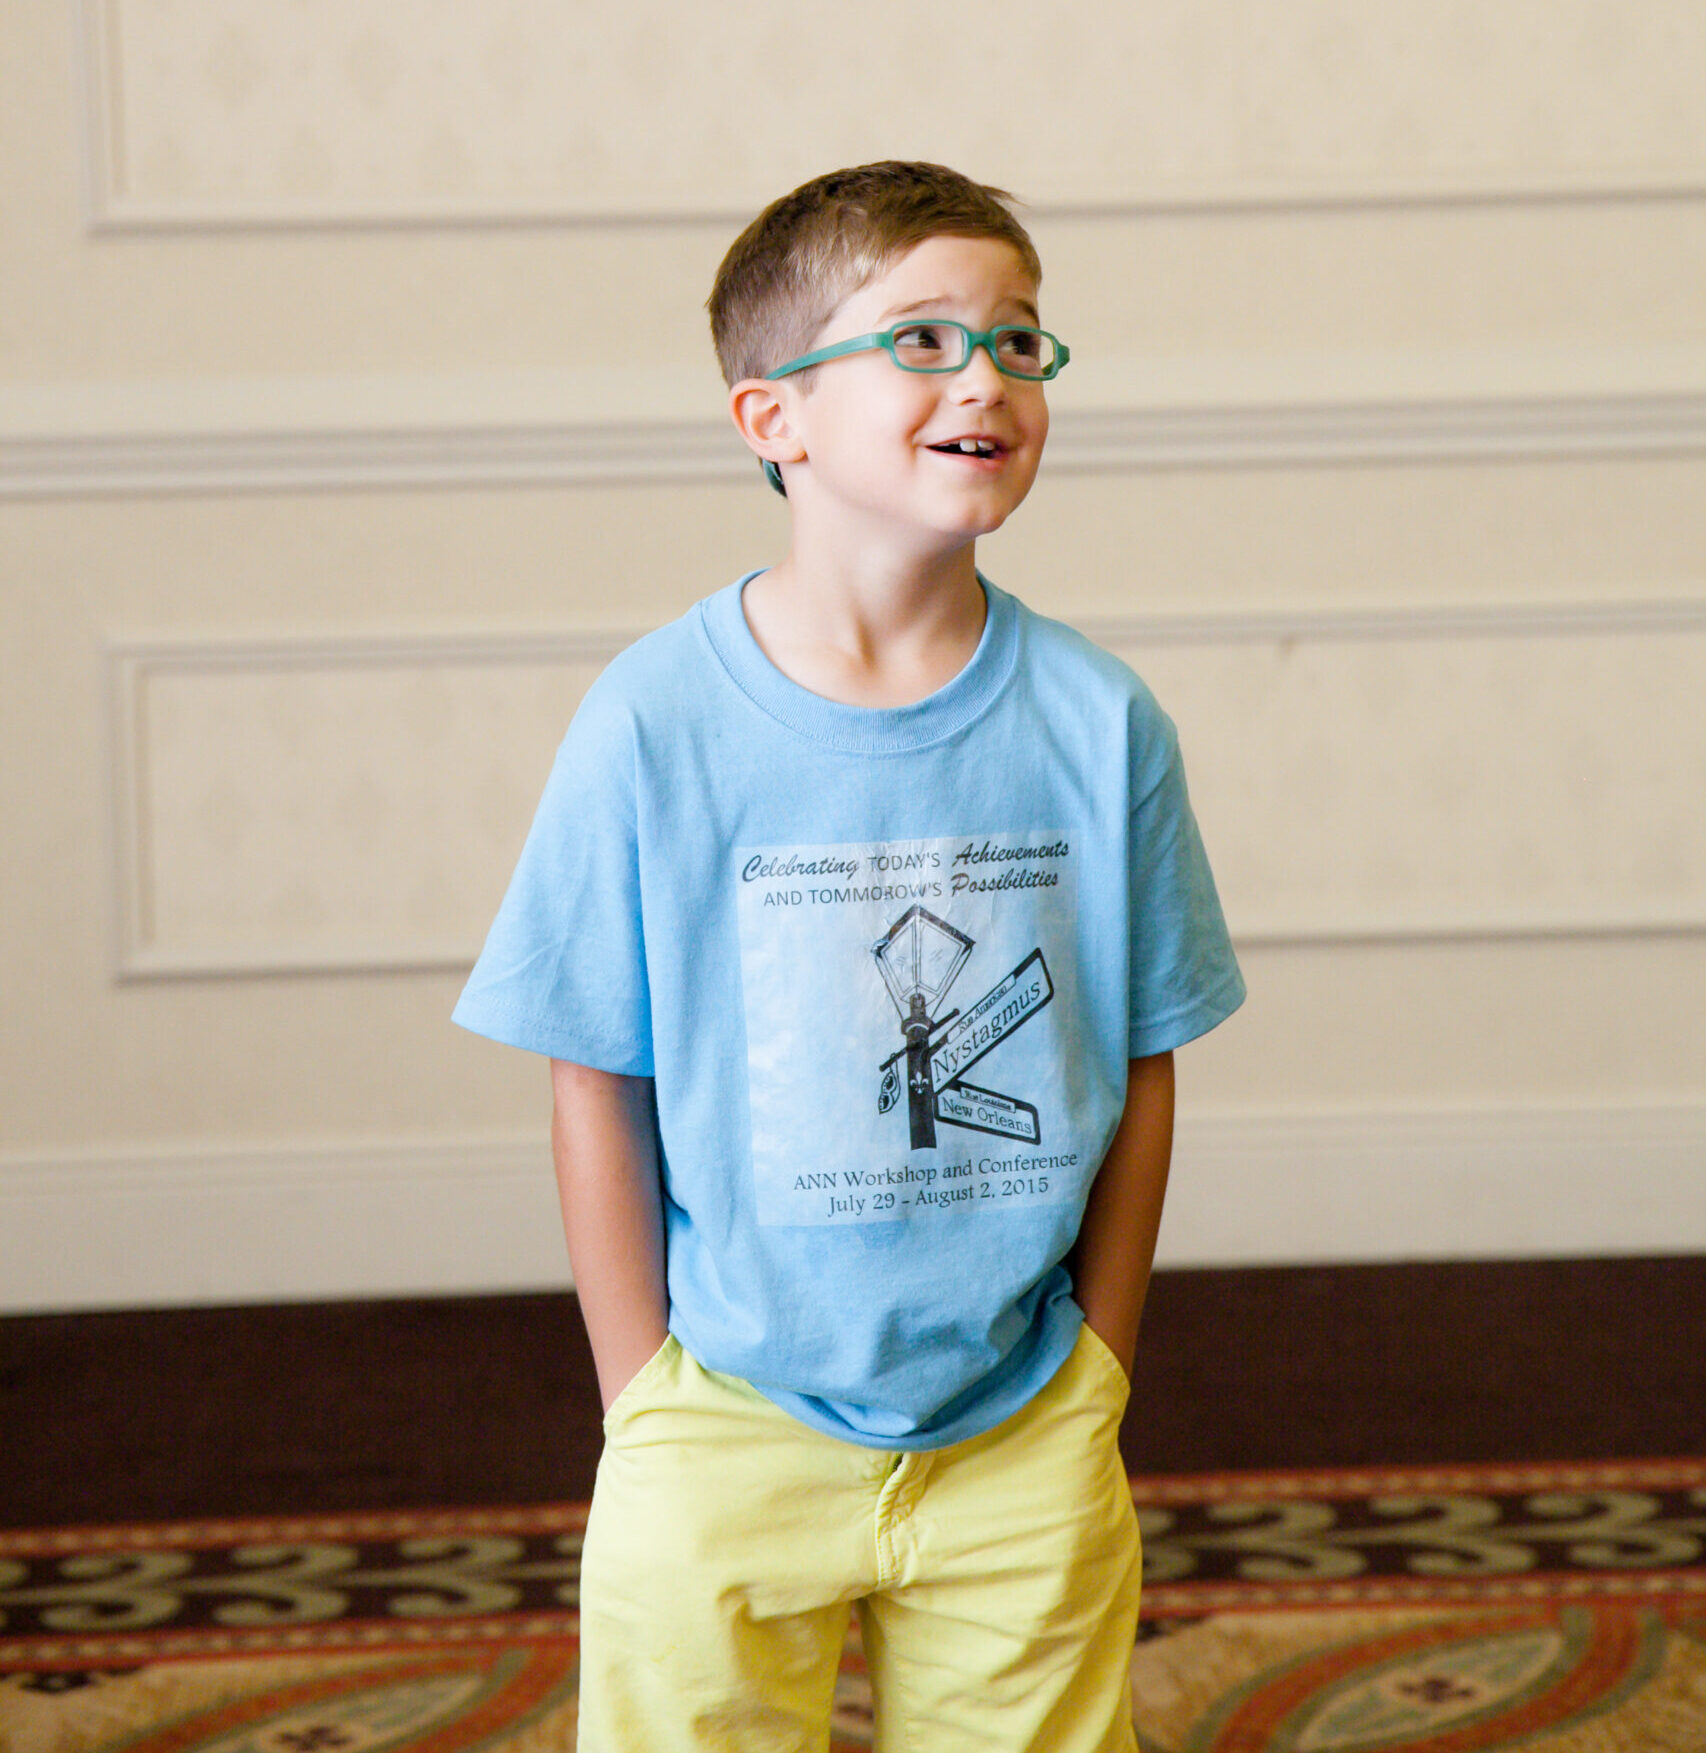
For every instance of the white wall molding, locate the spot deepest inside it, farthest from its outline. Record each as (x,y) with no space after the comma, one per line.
(371,434)
(190,118)
(1368,427)
(139,670)
(1460,1184)
(115,214)
(1597,617)
(156,1226)
(258,460)
(153,1226)
(1364,781)
(133,667)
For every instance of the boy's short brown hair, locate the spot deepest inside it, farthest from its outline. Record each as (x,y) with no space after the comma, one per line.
(804,254)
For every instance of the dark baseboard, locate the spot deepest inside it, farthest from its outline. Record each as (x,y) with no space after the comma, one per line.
(1487,1361)
(299,1408)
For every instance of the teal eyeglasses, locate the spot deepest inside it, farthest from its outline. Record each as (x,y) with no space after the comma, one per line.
(940,346)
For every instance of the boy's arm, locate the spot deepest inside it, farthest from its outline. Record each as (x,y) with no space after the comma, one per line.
(604,1143)
(1116,1243)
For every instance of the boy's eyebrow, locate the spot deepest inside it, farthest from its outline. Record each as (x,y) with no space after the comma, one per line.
(906,310)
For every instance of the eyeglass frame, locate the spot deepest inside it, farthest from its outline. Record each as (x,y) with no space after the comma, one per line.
(975,338)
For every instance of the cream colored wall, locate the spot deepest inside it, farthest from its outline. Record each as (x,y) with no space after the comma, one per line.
(355,406)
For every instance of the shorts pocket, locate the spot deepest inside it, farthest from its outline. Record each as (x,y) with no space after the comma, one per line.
(641,1386)
(1116,1382)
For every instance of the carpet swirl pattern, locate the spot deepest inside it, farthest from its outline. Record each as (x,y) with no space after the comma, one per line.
(1557,1608)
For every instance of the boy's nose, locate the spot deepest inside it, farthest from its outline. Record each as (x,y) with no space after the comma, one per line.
(977,379)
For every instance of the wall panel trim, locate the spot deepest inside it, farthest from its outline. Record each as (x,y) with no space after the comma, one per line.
(115,214)
(85,440)
(155,1226)
(115,208)
(133,665)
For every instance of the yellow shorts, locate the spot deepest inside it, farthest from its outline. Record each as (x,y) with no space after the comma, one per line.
(996,1580)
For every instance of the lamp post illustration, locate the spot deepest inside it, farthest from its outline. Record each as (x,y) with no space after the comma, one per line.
(920,957)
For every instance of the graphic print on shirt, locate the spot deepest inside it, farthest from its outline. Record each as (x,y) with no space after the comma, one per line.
(876,976)
(920,957)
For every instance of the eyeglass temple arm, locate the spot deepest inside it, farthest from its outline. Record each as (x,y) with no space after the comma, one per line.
(858,344)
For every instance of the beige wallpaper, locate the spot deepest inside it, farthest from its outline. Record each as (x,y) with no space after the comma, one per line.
(1382,455)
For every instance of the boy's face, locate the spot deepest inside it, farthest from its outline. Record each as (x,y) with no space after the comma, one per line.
(882,445)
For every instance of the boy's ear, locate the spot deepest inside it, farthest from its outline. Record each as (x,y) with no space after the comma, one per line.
(763,415)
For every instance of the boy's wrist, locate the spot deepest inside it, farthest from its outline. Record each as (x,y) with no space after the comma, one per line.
(619,1357)
(1117,1329)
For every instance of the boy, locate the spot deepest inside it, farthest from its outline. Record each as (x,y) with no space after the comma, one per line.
(854,829)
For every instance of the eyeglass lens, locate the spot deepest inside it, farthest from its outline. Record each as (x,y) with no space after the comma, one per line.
(944,346)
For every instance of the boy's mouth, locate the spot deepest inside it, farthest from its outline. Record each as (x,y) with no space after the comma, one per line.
(970,447)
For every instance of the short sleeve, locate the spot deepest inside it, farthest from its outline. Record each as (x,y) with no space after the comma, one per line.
(1184,977)
(563,972)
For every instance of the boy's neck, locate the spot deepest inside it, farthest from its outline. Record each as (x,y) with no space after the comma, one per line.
(873,633)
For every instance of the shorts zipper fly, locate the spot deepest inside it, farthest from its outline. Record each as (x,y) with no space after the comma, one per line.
(895,1503)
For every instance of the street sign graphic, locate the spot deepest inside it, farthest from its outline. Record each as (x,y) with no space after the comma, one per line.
(964,1104)
(920,957)
(992,1019)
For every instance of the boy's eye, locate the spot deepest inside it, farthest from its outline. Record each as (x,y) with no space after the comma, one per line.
(1021,346)
(925,343)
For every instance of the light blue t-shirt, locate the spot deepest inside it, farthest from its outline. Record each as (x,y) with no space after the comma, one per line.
(887,967)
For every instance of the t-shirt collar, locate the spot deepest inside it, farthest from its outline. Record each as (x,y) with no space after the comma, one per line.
(873,730)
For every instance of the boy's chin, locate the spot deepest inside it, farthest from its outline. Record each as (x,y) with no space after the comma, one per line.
(983,522)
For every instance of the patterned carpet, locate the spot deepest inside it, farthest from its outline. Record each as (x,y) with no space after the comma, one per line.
(1560,1609)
